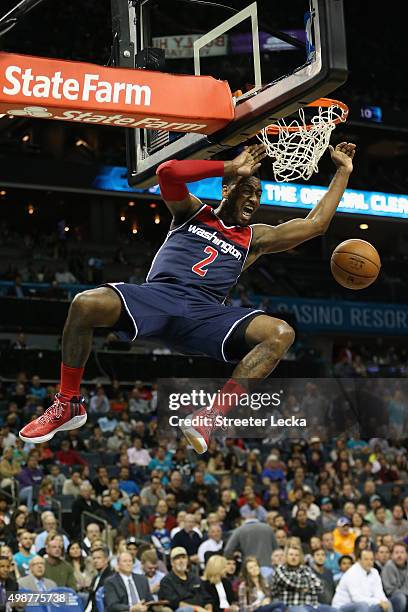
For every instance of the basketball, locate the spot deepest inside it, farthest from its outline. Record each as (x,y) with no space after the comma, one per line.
(355,264)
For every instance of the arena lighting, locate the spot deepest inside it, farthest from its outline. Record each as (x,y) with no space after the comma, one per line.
(122,218)
(153,205)
(66,228)
(131,203)
(30,209)
(82,143)
(363,226)
(157,219)
(26,138)
(134,230)
(3,192)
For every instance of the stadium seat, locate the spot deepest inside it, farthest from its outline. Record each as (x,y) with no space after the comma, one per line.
(93,458)
(110,458)
(65,469)
(112,470)
(99,599)
(66,502)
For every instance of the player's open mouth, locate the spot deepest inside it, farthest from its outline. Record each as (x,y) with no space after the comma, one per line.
(247,211)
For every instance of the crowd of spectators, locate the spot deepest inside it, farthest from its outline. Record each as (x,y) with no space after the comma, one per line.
(364,360)
(47,258)
(290,523)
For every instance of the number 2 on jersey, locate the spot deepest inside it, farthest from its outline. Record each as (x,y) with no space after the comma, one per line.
(198,268)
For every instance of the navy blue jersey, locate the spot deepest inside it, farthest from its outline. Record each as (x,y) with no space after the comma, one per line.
(203,253)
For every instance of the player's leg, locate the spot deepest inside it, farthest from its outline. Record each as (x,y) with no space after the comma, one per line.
(100,307)
(270,338)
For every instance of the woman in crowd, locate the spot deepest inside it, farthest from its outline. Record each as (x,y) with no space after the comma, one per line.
(18,521)
(45,495)
(357,522)
(218,588)
(361,543)
(253,592)
(83,571)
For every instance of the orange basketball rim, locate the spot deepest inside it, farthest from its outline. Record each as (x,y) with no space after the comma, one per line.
(340,116)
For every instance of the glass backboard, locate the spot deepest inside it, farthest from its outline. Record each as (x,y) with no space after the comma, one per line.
(278,55)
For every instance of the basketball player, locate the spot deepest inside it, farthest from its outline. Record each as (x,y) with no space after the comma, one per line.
(182,300)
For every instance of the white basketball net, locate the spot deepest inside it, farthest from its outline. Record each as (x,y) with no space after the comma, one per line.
(297,153)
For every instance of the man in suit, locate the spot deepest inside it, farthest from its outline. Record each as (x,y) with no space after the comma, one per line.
(35,581)
(100,558)
(125,591)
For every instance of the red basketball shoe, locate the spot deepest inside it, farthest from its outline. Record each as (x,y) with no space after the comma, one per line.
(63,415)
(199,435)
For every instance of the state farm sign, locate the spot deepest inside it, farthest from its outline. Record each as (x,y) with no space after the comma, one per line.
(73,91)
(150,123)
(89,88)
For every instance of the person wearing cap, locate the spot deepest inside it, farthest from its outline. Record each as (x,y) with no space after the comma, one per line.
(273,469)
(132,548)
(315,442)
(328,518)
(360,589)
(344,537)
(183,589)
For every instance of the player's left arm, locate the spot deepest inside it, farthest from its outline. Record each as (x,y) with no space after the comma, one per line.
(273,239)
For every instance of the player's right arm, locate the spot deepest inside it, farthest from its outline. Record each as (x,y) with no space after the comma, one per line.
(173,176)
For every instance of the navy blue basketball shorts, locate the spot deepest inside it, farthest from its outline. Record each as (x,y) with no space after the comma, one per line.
(182,319)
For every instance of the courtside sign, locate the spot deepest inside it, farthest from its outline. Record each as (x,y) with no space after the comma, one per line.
(74,91)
